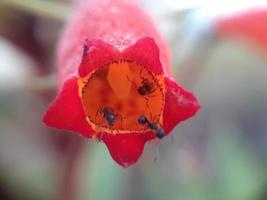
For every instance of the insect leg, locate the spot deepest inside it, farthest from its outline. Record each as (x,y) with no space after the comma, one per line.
(97,113)
(131,81)
(140,74)
(147,101)
(121,119)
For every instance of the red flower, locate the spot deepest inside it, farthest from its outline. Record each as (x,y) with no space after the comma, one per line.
(100,96)
(249,25)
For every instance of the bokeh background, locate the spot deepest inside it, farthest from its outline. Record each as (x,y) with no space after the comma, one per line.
(218,155)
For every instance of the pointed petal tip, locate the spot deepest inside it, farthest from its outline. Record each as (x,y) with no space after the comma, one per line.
(126,149)
(96,54)
(145,52)
(180,105)
(48,119)
(196,106)
(66,112)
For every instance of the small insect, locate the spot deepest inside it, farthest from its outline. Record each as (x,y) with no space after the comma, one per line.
(159,131)
(146,88)
(110,117)
(108,114)
(142,120)
(85,50)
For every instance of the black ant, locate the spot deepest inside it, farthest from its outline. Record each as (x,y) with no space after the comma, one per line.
(85,47)
(159,131)
(147,87)
(85,50)
(108,114)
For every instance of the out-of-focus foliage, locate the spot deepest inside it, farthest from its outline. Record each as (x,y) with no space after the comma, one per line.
(218,155)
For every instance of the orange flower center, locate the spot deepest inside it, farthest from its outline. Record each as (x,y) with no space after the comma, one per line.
(116,95)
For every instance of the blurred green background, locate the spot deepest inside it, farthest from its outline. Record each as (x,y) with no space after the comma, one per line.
(218,155)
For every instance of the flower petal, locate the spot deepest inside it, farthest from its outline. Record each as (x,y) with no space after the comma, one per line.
(66,112)
(125,149)
(179,105)
(249,24)
(97,54)
(145,52)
